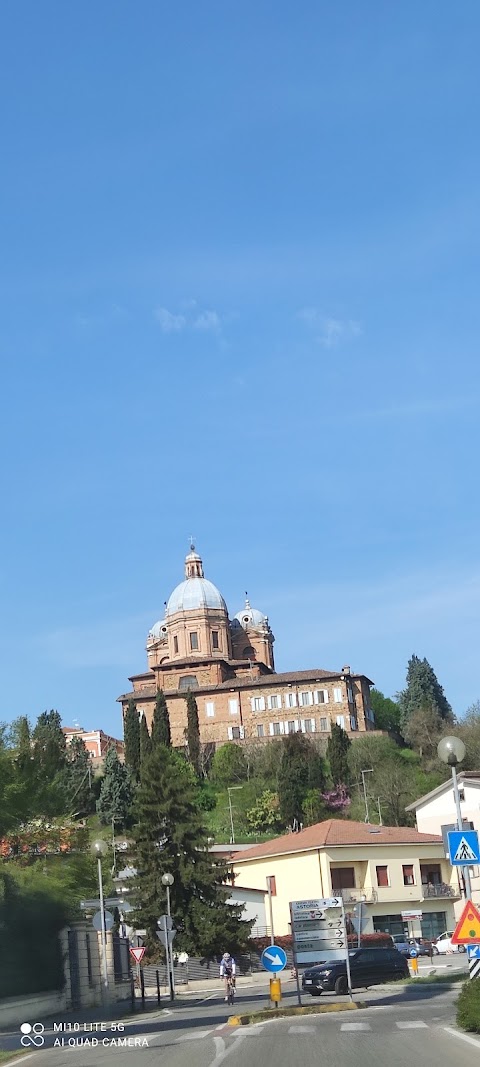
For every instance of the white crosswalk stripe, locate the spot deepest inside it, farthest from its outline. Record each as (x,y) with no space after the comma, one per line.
(302,1029)
(413,1025)
(355,1026)
(197,1036)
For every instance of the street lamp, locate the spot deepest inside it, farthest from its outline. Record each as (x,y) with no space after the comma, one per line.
(99,848)
(451,750)
(167,881)
(230,790)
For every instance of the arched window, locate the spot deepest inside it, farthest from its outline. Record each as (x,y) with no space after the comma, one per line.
(249,652)
(188,681)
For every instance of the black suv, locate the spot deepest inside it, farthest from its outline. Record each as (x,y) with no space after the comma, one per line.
(368,966)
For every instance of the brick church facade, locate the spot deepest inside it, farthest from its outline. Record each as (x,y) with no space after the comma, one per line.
(229,665)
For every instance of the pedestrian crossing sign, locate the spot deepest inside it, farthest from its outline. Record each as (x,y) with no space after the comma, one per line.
(468,926)
(463,847)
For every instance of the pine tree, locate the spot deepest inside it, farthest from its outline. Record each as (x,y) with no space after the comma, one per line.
(161,722)
(132,737)
(116,792)
(192,734)
(77,777)
(145,741)
(423,690)
(170,837)
(50,747)
(337,755)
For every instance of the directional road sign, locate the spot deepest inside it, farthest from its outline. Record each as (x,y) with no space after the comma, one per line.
(318,935)
(97,920)
(463,847)
(473,952)
(274,958)
(302,908)
(468,926)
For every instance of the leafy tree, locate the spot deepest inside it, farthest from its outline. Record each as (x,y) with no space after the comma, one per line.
(423,729)
(293,778)
(161,722)
(170,837)
(423,690)
(50,747)
(229,764)
(386,711)
(265,815)
(117,791)
(145,740)
(469,730)
(77,778)
(132,738)
(337,754)
(192,734)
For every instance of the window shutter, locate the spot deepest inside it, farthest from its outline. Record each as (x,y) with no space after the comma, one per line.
(302,725)
(270,728)
(269,703)
(230,733)
(313,725)
(252,703)
(262,703)
(282,727)
(297,724)
(325,696)
(316,697)
(294,701)
(242,732)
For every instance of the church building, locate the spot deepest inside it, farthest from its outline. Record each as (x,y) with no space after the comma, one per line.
(229,665)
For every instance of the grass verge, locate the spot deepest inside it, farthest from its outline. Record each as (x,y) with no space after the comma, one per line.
(5,1057)
(437,979)
(281,1013)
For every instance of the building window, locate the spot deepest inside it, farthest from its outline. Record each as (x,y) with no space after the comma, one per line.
(258,703)
(408,878)
(274,702)
(175,645)
(291,727)
(321,696)
(249,652)
(341,721)
(188,681)
(337,696)
(305,699)
(342,878)
(309,726)
(233,706)
(324,725)
(353,723)
(215,641)
(210,708)
(194,641)
(276,728)
(382,877)
(260,730)
(290,700)
(235,733)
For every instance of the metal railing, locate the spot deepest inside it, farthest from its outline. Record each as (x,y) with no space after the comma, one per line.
(354,895)
(441,890)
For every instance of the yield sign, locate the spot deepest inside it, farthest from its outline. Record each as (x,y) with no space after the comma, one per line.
(137,953)
(468,926)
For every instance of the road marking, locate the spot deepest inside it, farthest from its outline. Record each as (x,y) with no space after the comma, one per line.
(194,1037)
(355,1026)
(463,1037)
(250,1031)
(413,1025)
(301,1029)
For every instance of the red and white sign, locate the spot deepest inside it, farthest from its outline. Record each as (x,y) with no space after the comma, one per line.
(138,954)
(467,929)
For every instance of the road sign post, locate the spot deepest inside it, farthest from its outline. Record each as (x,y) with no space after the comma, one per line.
(319,933)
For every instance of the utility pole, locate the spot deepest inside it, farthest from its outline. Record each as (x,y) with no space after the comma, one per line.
(363,773)
(379,812)
(230,790)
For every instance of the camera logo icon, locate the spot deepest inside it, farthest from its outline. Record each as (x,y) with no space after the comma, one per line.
(32,1034)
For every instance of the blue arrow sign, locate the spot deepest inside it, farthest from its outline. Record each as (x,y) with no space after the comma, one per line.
(473,952)
(274,958)
(463,847)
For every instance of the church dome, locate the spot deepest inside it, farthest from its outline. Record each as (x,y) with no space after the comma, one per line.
(195,593)
(158,630)
(249,616)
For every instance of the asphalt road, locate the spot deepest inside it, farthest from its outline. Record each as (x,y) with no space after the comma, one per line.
(411,1025)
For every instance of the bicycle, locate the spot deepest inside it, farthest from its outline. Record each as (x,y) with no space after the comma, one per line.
(230,989)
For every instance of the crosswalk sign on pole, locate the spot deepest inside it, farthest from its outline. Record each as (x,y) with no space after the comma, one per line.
(463,847)
(468,926)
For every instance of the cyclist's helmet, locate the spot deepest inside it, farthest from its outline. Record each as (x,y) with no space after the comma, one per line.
(227,956)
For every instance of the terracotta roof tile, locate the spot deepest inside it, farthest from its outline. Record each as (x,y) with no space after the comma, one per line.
(338,832)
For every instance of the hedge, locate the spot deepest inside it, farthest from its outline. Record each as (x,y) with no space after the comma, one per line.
(468,1006)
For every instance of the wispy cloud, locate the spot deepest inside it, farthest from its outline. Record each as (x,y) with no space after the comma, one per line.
(170,323)
(191,317)
(329,331)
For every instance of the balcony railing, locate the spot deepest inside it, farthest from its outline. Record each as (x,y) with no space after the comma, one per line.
(441,890)
(354,896)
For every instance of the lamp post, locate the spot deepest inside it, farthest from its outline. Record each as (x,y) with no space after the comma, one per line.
(99,848)
(230,790)
(363,773)
(167,881)
(451,750)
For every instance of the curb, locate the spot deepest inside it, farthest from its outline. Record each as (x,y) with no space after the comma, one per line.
(282,1013)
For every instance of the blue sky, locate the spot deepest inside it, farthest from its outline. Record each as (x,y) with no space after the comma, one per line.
(239,299)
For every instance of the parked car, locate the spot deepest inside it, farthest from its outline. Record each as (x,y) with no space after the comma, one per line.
(443,944)
(368,966)
(405,945)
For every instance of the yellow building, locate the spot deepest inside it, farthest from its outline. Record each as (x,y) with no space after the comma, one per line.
(391,869)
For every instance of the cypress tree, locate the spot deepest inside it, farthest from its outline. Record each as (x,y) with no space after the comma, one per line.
(145,741)
(170,836)
(132,737)
(192,733)
(423,690)
(116,792)
(161,722)
(337,755)
(293,779)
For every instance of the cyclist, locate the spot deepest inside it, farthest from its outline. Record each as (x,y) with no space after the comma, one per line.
(227,971)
